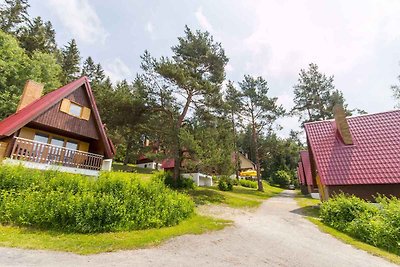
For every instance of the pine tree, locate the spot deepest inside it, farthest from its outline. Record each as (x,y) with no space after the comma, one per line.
(259,111)
(38,36)
(192,77)
(70,62)
(93,71)
(13,13)
(315,96)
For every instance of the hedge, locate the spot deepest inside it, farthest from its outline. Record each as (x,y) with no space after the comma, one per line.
(376,224)
(75,203)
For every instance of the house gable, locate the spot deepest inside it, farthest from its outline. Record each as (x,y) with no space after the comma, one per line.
(60,120)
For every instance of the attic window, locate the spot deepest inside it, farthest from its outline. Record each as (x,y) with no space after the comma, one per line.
(74,109)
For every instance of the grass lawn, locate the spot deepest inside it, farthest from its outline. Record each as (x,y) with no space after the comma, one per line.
(104,242)
(311,211)
(240,197)
(145,174)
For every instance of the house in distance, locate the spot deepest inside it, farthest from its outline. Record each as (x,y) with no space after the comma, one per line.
(61,130)
(358,155)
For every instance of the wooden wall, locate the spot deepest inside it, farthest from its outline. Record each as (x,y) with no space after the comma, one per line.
(365,191)
(63,121)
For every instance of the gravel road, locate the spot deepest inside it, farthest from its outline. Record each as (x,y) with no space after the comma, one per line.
(274,235)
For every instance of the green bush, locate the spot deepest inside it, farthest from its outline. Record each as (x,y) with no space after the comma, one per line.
(281,178)
(74,203)
(225,183)
(378,225)
(248,183)
(168,179)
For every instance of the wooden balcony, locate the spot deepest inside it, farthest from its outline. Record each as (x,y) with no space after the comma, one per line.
(32,151)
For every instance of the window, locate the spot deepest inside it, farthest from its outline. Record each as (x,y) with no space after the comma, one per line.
(42,138)
(71,145)
(75,110)
(57,141)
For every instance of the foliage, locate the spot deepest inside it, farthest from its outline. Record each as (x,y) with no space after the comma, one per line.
(13,13)
(16,68)
(181,183)
(247,183)
(70,62)
(396,91)
(258,110)
(38,36)
(281,178)
(315,95)
(73,203)
(191,78)
(378,226)
(225,183)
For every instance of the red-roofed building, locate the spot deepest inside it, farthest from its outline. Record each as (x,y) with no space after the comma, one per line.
(357,155)
(306,172)
(60,130)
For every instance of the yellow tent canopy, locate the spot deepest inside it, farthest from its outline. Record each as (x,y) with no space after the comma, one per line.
(249,173)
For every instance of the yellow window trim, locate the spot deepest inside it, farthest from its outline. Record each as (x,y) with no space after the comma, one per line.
(65,107)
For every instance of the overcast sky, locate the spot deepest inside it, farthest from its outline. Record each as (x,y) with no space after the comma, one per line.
(356,41)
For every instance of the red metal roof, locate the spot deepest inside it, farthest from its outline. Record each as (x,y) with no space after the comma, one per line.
(19,119)
(305,160)
(168,164)
(373,159)
(300,174)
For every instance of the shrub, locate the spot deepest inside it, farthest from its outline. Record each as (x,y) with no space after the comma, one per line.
(168,179)
(225,183)
(378,226)
(281,178)
(74,203)
(248,183)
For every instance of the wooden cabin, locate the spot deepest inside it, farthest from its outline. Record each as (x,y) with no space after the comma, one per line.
(357,155)
(61,130)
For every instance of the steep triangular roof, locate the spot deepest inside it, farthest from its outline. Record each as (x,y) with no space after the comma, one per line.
(372,159)
(305,160)
(16,121)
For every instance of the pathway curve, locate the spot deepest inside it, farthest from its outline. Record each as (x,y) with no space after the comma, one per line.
(274,235)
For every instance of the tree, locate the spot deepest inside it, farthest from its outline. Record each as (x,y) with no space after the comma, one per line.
(70,62)
(38,36)
(13,13)
(315,95)
(16,68)
(259,111)
(192,77)
(233,105)
(93,71)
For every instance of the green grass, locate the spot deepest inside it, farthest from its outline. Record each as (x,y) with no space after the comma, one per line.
(143,173)
(104,242)
(240,197)
(309,208)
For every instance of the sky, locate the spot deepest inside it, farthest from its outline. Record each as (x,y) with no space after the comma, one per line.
(358,41)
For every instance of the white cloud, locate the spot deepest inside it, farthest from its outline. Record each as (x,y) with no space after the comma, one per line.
(229,68)
(117,70)
(287,35)
(149,27)
(203,21)
(80,18)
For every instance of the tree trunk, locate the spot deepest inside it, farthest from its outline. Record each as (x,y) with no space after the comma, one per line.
(258,165)
(237,167)
(128,151)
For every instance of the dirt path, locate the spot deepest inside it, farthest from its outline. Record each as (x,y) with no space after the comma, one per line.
(274,235)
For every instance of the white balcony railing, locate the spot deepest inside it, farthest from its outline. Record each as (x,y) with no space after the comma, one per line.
(32,151)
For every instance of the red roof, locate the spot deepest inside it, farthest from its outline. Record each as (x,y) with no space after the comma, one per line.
(168,164)
(19,119)
(374,157)
(300,173)
(305,160)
